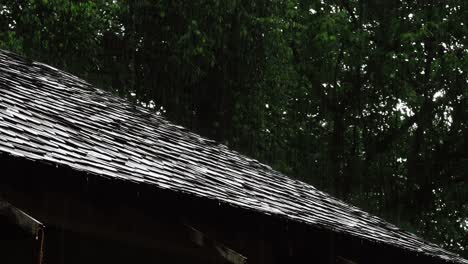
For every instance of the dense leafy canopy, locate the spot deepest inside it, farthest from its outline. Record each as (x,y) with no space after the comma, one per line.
(365,99)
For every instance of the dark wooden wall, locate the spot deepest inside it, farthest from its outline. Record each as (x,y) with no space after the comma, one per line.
(92,219)
(16,245)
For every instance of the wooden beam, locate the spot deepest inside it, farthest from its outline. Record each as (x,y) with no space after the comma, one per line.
(20,218)
(121,223)
(25,222)
(342,260)
(202,240)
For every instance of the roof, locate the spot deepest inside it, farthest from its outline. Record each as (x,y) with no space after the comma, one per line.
(49,115)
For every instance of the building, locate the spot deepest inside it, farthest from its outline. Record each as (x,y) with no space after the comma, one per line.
(89,178)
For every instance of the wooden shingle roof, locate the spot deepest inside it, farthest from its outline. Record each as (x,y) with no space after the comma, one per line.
(49,115)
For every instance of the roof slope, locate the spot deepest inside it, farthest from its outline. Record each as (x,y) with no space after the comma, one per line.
(49,115)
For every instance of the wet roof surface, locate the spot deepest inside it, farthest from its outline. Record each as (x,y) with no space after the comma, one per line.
(49,115)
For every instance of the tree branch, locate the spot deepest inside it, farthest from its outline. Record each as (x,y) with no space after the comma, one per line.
(347,7)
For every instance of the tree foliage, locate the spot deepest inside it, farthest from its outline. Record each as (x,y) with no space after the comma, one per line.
(365,99)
